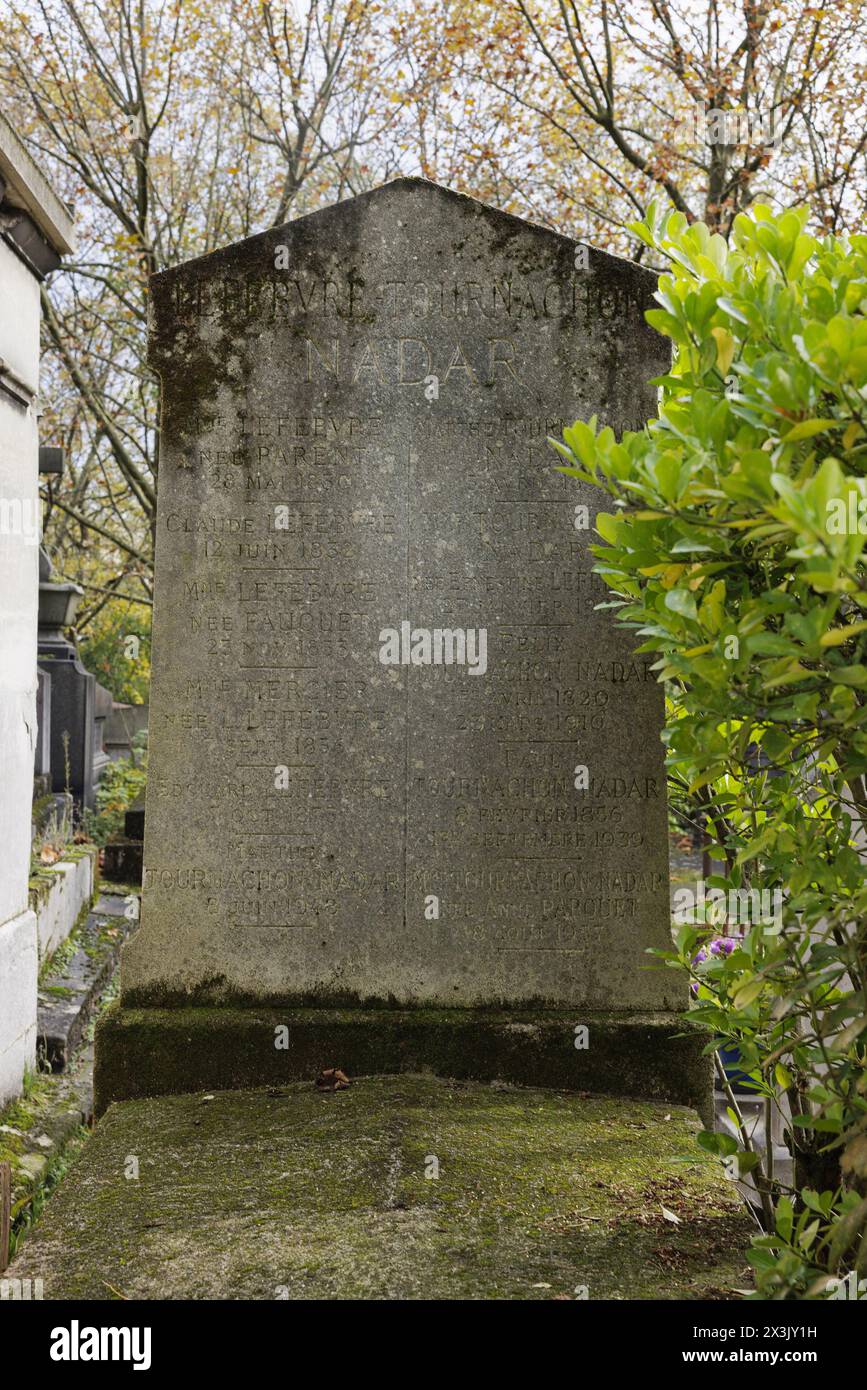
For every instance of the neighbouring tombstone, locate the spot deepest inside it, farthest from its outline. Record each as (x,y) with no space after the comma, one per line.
(134,820)
(103,700)
(122,856)
(125,723)
(406,785)
(79,704)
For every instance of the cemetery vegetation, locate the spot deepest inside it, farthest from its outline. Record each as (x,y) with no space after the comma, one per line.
(734,545)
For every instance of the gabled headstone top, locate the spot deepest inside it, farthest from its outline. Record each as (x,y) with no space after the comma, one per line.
(397,756)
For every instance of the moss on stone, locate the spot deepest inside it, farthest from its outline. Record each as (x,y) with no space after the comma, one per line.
(44,876)
(23,1114)
(292,1192)
(39,885)
(80,852)
(60,957)
(43,1113)
(141,1052)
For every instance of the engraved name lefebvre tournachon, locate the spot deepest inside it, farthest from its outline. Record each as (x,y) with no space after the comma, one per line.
(304,660)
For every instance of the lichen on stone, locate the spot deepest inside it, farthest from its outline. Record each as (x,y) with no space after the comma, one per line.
(400,1187)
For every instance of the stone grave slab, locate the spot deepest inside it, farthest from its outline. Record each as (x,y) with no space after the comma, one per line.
(399,760)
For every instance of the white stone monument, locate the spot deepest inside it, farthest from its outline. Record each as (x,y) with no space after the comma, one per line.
(35,230)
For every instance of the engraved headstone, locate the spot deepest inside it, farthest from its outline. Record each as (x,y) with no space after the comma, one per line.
(397,758)
(379,675)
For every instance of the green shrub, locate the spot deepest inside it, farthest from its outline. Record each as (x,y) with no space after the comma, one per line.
(116,647)
(122,782)
(736,548)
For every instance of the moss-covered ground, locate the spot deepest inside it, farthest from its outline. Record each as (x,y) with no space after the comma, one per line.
(39,1134)
(295,1193)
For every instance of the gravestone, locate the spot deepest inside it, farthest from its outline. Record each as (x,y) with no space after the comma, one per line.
(404,778)
(122,855)
(79,705)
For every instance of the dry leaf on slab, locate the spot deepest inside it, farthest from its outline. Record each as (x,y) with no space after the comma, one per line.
(332,1079)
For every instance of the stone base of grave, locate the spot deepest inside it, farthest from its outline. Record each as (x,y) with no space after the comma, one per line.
(402,1187)
(150,1052)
